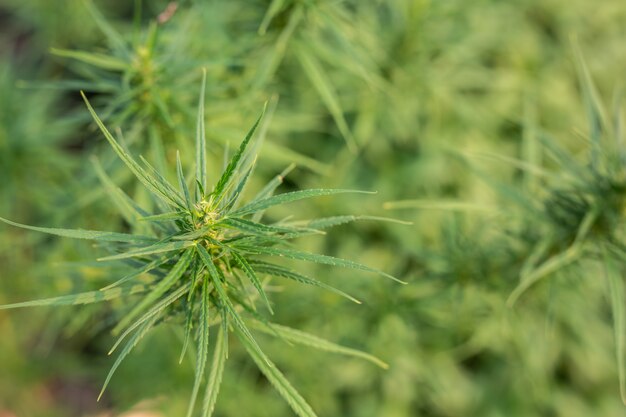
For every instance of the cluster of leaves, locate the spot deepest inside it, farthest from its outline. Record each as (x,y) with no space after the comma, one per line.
(134,80)
(202,256)
(400,80)
(579,214)
(566,216)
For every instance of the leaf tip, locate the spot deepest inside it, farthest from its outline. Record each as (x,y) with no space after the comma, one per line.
(398,280)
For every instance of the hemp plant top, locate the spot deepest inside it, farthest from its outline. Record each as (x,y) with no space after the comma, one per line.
(208,256)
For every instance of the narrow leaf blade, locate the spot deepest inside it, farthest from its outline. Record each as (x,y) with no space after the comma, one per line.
(143,330)
(201,175)
(203,346)
(316,258)
(249,271)
(233,164)
(149,250)
(276,378)
(303,338)
(84,234)
(159,289)
(220,354)
(88,297)
(284,198)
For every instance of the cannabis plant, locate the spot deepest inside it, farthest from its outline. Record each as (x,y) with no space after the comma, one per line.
(133,76)
(581,210)
(202,260)
(567,214)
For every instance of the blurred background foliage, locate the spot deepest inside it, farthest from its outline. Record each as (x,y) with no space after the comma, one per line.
(441,104)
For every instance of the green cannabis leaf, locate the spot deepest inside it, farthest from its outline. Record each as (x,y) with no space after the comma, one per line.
(206,252)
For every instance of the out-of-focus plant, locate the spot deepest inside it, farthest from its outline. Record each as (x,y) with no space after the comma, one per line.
(565,214)
(31,145)
(135,76)
(578,218)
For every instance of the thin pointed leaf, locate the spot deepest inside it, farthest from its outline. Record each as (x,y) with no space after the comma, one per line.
(100,86)
(255,228)
(149,250)
(617,124)
(125,205)
(155,310)
(162,182)
(236,194)
(195,234)
(618,307)
(550,266)
(156,147)
(429,204)
(220,354)
(249,271)
(280,271)
(595,113)
(572,254)
(315,258)
(203,346)
(201,175)
(159,289)
(318,225)
(84,234)
(145,178)
(283,154)
(326,222)
(127,349)
(276,378)
(113,36)
(106,62)
(188,329)
(143,270)
(248,307)
(170,216)
(327,93)
(537,253)
(270,107)
(217,277)
(233,165)
(267,67)
(273,9)
(88,297)
(271,186)
(190,308)
(284,198)
(269,189)
(303,338)
(225,156)
(182,182)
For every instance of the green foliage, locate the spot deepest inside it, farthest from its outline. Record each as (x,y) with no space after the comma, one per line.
(569,218)
(514,260)
(196,252)
(27,139)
